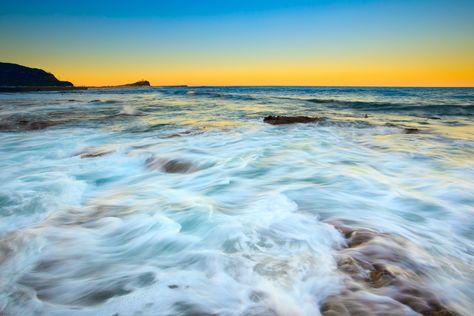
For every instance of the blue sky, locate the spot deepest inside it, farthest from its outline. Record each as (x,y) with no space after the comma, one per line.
(207,42)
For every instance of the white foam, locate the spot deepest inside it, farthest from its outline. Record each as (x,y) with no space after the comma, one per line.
(243,233)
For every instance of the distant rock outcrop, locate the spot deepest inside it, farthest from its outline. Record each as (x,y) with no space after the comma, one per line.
(13,75)
(279,120)
(141,83)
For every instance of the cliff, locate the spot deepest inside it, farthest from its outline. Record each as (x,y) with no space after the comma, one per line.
(13,75)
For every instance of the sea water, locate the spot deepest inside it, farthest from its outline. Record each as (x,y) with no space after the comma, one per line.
(93,222)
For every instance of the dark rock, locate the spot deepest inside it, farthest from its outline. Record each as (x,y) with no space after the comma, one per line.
(95,154)
(13,75)
(185,308)
(411,131)
(173,286)
(32,125)
(406,130)
(39,125)
(278,120)
(25,124)
(349,303)
(176,166)
(360,236)
(381,277)
(170,166)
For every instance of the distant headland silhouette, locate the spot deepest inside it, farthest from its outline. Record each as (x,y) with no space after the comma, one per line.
(19,78)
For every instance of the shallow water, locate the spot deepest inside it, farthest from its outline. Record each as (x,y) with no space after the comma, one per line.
(181,201)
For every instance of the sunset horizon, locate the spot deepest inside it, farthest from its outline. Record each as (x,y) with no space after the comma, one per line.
(158,80)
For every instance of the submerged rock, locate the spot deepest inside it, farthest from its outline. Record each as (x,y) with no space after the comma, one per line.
(381,278)
(25,124)
(349,303)
(411,131)
(406,130)
(278,120)
(170,166)
(95,154)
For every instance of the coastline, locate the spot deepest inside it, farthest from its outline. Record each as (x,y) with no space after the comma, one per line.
(34,89)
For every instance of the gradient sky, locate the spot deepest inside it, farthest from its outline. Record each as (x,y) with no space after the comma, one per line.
(300,42)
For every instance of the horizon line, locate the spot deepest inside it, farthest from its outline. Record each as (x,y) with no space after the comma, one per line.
(282,85)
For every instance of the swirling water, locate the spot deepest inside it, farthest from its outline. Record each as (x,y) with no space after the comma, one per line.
(93,223)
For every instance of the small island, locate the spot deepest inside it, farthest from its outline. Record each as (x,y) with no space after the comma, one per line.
(141,83)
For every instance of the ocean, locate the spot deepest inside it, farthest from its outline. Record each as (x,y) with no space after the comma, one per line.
(182,201)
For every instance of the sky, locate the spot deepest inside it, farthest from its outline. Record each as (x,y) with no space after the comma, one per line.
(207,42)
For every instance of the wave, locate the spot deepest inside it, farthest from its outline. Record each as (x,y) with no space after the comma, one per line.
(227,96)
(375,106)
(210,94)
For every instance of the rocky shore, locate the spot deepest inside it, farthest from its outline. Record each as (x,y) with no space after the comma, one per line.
(380,277)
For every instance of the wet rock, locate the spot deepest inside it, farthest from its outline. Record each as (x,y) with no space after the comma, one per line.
(411,131)
(90,215)
(185,308)
(343,227)
(95,154)
(99,296)
(405,130)
(170,165)
(46,265)
(184,133)
(257,296)
(12,124)
(349,303)
(380,277)
(360,236)
(7,248)
(36,125)
(176,166)
(279,120)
